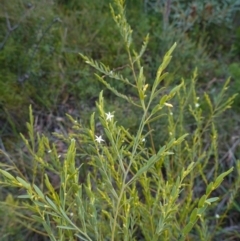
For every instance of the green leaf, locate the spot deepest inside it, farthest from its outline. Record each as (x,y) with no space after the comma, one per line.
(143,48)
(158,92)
(163,100)
(92,122)
(180,139)
(141,94)
(202,210)
(140,79)
(39,192)
(150,162)
(171,142)
(211,200)
(26,196)
(153,159)
(53,214)
(38,219)
(82,237)
(66,227)
(175,89)
(48,184)
(155,109)
(51,203)
(40,204)
(202,201)
(7,175)
(160,79)
(209,188)
(163,66)
(189,169)
(187,228)
(209,102)
(221,177)
(166,60)
(154,118)
(64,214)
(115,91)
(23,182)
(170,51)
(193,216)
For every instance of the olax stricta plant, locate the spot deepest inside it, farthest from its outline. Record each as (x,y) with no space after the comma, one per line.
(118,184)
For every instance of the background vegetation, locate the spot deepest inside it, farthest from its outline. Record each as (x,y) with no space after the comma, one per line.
(40,42)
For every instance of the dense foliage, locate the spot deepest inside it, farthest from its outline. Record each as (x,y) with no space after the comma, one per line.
(44,47)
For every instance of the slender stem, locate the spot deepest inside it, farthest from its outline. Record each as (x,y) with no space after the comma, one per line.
(117,211)
(151,138)
(142,101)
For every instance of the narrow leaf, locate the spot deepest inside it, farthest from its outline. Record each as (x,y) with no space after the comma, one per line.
(23,182)
(66,227)
(51,203)
(211,200)
(7,175)
(188,228)
(221,177)
(39,192)
(202,201)
(193,215)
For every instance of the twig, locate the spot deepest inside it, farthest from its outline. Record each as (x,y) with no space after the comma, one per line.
(3,151)
(10,29)
(228,155)
(167,13)
(27,74)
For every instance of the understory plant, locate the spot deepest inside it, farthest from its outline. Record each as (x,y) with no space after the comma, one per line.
(119,184)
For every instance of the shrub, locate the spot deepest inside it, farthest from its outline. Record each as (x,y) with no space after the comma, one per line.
(113,184)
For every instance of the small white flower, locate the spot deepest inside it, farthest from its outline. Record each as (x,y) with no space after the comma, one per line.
(49,151)
(197,105)
(109,116)
(99,139)
(143,140)
(217,216)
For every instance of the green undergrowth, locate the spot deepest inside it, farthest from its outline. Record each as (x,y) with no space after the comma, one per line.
(40,42)
(164,179)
